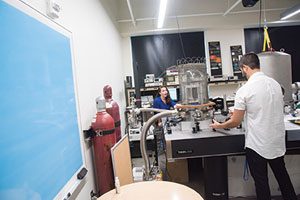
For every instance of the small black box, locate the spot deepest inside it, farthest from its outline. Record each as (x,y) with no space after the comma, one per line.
(82,173)
(249,3)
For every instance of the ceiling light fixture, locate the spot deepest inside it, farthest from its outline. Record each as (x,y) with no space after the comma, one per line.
(162,13)
(290,12)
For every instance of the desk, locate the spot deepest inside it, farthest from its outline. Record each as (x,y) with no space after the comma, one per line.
(214,146)
(208,143)
(149,190)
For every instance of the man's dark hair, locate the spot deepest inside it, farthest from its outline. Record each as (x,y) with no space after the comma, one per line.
(250,59)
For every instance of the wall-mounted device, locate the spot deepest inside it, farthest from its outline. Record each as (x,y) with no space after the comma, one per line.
(128,82)
(53,9)
(249,3)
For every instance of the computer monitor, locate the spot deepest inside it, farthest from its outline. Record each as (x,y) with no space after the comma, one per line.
(146,99)
(173,94)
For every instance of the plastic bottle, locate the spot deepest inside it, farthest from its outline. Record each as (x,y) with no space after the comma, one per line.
(117,184)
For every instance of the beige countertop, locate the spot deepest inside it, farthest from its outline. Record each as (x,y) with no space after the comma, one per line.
(153,190)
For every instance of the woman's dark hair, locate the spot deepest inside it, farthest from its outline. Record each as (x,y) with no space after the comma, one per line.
(168,98)
(250,59)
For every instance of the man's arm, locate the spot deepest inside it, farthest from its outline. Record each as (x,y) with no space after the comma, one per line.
(235,120)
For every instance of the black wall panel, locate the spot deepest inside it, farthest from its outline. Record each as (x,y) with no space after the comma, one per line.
(286,37)
(154,53)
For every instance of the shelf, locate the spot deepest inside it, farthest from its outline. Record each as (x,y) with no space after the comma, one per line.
(226,83)
(156,88)
(148,89)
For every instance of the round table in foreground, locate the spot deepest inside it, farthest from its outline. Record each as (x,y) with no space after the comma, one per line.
(152,190)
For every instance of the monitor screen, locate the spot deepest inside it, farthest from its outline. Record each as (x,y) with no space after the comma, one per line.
(146,99)
(173,94)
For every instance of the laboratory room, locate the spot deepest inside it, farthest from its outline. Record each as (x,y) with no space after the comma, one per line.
(150,99)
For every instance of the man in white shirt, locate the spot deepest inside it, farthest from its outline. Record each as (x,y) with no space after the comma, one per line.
(260,103)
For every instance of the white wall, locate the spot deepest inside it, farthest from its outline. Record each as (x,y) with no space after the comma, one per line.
(98,62)
(220,90)
(127,58)
(227,38)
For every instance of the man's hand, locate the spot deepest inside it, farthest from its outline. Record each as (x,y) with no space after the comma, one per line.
(215,125)
(234,121)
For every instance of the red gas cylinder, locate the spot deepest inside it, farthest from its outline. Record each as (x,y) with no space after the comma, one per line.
(112,108)
(105,138)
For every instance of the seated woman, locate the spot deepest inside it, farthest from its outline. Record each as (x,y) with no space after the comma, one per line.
(163,101)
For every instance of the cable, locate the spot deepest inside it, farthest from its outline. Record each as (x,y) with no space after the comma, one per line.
(178,30)
(259,29)
(246,171)
(180,38)
(265,19)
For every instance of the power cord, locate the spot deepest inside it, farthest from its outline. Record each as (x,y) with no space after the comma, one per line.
(246,171)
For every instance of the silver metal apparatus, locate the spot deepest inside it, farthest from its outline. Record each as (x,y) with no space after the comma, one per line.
(194,90)
(133,119)
(278,66)
(296,88)
(193,83)
(164,113)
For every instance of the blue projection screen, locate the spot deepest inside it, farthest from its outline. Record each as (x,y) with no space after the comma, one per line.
(40,146)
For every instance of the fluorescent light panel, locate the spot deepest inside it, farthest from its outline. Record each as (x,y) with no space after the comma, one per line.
(290,12)
(162,13)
